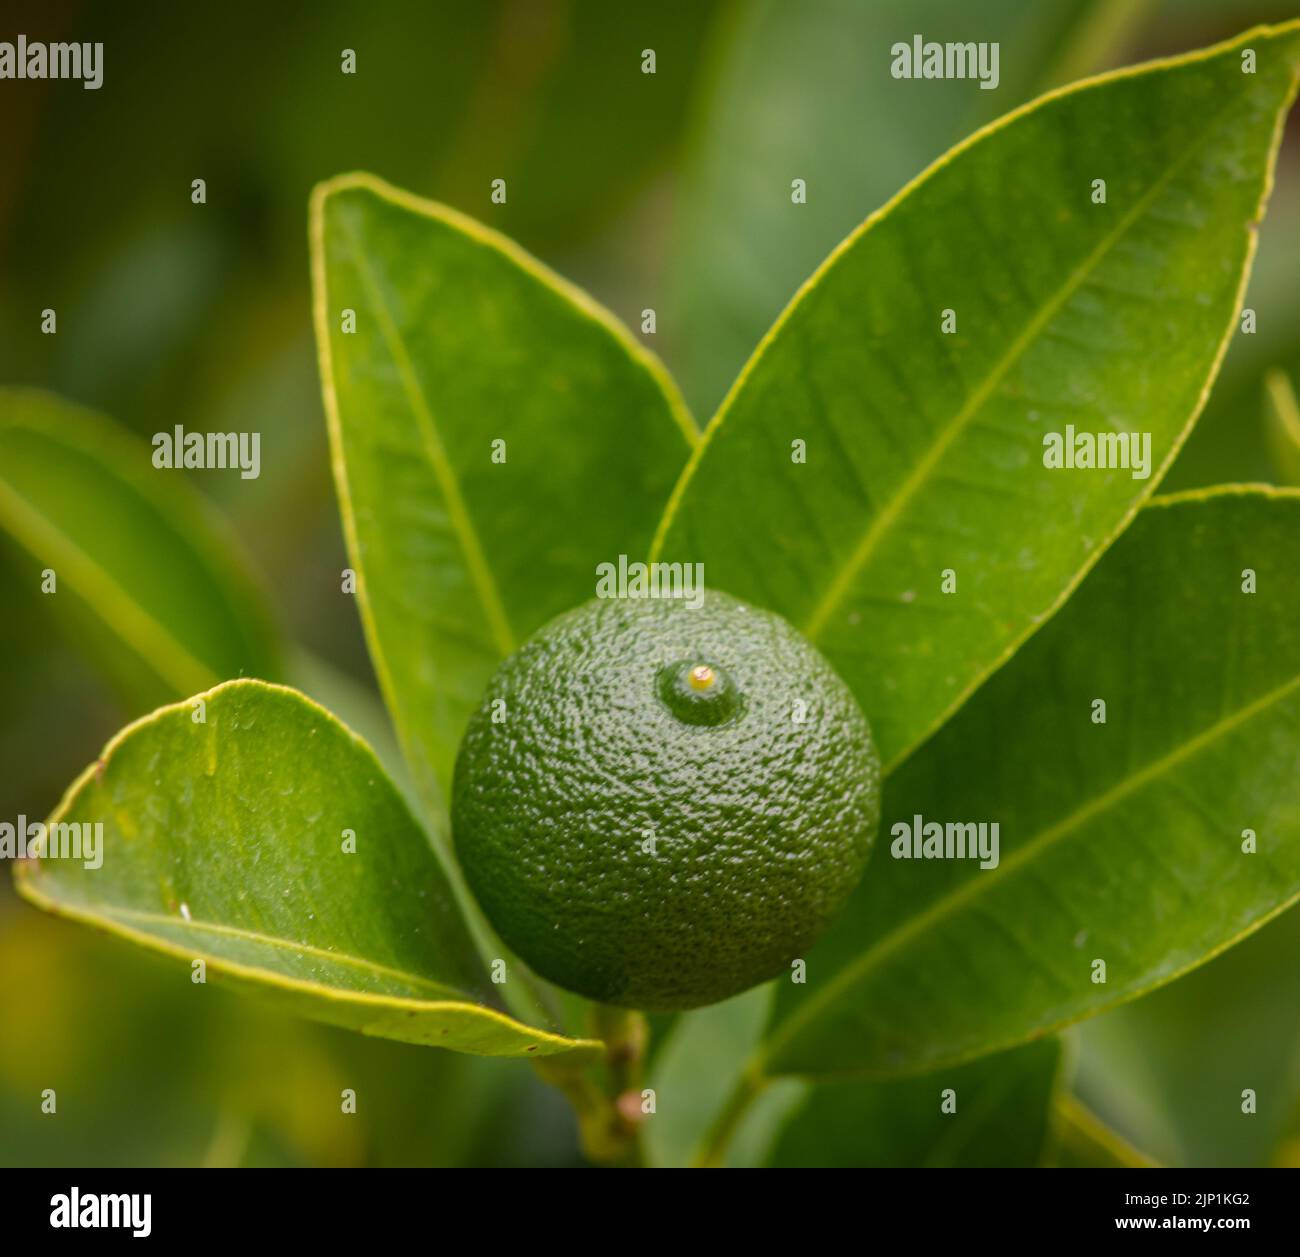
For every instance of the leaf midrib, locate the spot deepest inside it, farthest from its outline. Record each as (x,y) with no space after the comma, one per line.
(888,515)
(978,884)
(457,510)
(459,1004)
(346,959)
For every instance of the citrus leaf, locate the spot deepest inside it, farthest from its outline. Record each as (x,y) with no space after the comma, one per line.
(467,352)
(1002,1116)
(139,554)
(224,839)
(1119,842)
(355,705)
(806,91)
(925,457)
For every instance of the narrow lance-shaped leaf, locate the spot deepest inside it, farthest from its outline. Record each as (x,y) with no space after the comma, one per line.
(495,437)
(248,829)
(805,90)
(880,472)
(1138,759)
(991,1113)
(135,550)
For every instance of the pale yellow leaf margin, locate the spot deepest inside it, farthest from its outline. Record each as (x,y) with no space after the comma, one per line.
(388,1014)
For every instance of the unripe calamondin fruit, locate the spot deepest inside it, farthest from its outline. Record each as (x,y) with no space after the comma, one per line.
(676,804)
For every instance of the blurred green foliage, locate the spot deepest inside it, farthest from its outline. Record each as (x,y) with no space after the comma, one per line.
(667,191)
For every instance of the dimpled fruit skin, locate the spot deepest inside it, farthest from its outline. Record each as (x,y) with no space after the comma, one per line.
(762,825)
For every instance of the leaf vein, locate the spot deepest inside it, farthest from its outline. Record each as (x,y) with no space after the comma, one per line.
(270,940)
(457,510)
(977,885)
(1035,327)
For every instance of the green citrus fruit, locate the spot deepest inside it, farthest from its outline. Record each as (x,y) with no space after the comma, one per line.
(659,806)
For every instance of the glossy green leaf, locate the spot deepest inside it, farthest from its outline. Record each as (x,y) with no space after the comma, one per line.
(1001,1116)
(464,349)
(224,839)
(355,705)
(805,90)
(924,450)
(137,554)
(1119,842)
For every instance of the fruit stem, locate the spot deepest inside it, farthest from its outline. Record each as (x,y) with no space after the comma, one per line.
(607,1099)
(712,1152)
(590,1106)
(624,1033)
